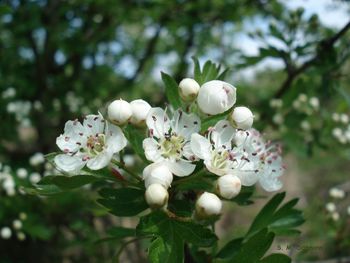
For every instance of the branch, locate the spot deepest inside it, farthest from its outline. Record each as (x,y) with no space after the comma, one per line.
(324,46)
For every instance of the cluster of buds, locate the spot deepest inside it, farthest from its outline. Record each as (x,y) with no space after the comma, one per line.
(176,143)
(341,131)
(337,203)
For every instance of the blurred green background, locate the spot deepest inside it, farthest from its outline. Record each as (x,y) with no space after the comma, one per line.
(62,59)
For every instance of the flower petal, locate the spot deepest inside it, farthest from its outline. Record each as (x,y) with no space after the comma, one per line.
(185,124)
(152,151)
(247,177)
(200,146)
(115,138)
(69,163)
(270,183)
(73,138)
(180,167)
(94,124)
(100,161)
(158,122)
(223,134)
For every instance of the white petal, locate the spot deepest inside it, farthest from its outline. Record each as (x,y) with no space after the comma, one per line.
(270,184)
(115,138)
(185,124)
(94,124)
(215,170)
(100,161)
(73,138)
(200,146)
(69,163)
(181,167)
(188,153)
(247,177)
(152,152)
(223,134)
(158,122)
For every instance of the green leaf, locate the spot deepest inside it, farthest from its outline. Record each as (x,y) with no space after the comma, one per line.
(197,70)
(212,120)
(255,247)
(230,249)
(196,183)
(68,182)
(135,138)
(166,250)
(171,90)
(158,223)
(45,190)
(123,201)
(276,258)
(121,232)
(243,198)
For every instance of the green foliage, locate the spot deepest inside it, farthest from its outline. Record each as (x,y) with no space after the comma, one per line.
(210,71)
(123,201)
(171,90)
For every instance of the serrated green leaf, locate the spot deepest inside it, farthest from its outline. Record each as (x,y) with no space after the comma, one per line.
(171,90)
(212,120)
(166,250)
(135,138)
(276,258)
(230,249)
(123,201)
(68,182)
(197,71)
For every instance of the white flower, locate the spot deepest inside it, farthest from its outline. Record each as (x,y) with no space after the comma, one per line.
(242,118)
(228,186)
(156,196)
(302,97)
(169,140)
(335,117)
(344,118)
(92,143)
(330,207)
(337,133)
(207,205)
(9,93)
(305,125)
(21,236)
(276,103)
(265,161)
(278,118)
(335,216)
(216,97)
(34,178)
(337,193)
(157,173)
(314,102)
(189,89)
(17,224)
(140,109)
(5,232)
(119,112)
(22,173)
(36,159)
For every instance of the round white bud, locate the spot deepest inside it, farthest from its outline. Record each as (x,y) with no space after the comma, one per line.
(22,173)
(34,178)
(330,207)
(119,112)
(21,236)
(314,102)
(228,186)
(157,174)
(156,196)
(140,109)
(17,224)
(305,125)
(335,117)
(335,216)
(216,97)
(6,232)
(188,89)
(242,118)
(207,205)
(23,216)
(344,118)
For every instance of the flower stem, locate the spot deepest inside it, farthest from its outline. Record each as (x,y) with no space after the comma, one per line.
(123,167)
(179,218)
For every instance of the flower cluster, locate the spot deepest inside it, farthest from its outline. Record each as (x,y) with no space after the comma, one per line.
(341,130)
(338,204)
(179,144)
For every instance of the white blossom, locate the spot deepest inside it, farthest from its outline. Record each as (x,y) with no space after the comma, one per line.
(34,178)
(17,224)
(344,118)
(228,186)
(330,207)
(314,102)
(22,173)
(140,109)
(156,196)
(337,193)
(169,141)
(92,143)
(21,236)
(208,204)
(6,232)
(242,118)
(335,117)
(188,89)
(36,159)
(157,173)
(216,97)
(335,216)
(119,112)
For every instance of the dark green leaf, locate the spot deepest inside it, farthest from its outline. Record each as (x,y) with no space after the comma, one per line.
(171,90)
(135,138)
(197,70)
(121,232)
(123,201)
(243,198)
(166,250)
(212,120)
(68,182)
(230,249)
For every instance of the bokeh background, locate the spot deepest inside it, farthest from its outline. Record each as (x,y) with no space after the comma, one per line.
(62,59)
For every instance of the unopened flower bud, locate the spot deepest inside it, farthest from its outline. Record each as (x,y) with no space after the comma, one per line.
(242,118)
(140,110)
(207,205)
(119,112)
(228,186)
(157,174)
(216,97)
(21,236)
(17,224)
(156,196)
(188,89)
(6,232)
(314,102)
